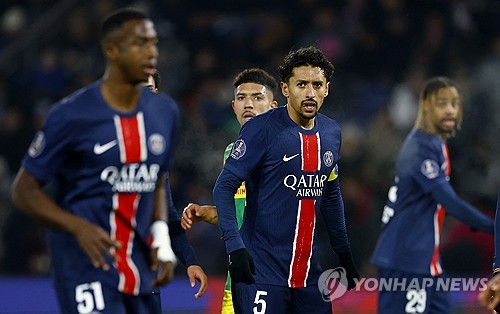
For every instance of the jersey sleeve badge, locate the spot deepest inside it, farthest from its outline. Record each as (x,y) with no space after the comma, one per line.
(430,169)
(328,158)
(37,145)
(239,149)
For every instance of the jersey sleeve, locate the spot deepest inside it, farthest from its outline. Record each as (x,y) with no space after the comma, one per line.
(424,164)
(180,245)
(332,209)
(248,150)
(174,115)
(50,146)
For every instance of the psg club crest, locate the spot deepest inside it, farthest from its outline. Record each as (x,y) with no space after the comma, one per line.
(239,149)
(328,158)
(37,145)
(430,169)
(156,143)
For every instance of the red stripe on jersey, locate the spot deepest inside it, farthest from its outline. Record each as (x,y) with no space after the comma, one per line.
(122,231)
(302,244)
(446,154)
(439,218)
(438,224)
(310,152)
(131,137)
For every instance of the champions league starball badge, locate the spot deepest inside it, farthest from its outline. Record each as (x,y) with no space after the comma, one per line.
(430,169)
(239,149)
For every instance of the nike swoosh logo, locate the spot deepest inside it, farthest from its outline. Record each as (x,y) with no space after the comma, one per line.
(285,158)
(100,149)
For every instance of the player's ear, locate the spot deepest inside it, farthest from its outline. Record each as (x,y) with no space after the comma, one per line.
(110,50)
(327,89)
(274,104)
(284,89)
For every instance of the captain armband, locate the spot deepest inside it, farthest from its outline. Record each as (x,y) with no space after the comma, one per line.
(334,174)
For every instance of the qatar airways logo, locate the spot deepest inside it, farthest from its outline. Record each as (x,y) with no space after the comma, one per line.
(132,178)
(307,185)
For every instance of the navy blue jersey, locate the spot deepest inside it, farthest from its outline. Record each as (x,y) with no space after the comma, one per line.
(413,215)
(104,165)
(286,170)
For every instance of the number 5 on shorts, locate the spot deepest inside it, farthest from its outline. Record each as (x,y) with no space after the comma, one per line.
(260,302)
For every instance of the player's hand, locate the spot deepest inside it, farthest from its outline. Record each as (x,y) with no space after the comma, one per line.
(194,213)
(346,261)
(96,243)
(196,273)
(491,296)
(165,272)
(241,266)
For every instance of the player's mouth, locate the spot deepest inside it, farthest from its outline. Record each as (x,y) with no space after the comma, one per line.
(149,69)
(309,105)
(448,123)
(248,115)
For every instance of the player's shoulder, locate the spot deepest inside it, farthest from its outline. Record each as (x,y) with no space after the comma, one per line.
(75,104)
(264,117)
(421,140)
(420,145)
(161,100)
(328,122)
(261,121)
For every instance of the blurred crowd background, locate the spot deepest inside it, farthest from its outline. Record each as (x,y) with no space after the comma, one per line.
(383,50)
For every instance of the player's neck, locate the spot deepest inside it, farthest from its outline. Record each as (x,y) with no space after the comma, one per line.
(121,96)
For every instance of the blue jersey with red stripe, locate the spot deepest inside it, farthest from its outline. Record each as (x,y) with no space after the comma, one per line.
(286,170)
(412,218)
(104,165)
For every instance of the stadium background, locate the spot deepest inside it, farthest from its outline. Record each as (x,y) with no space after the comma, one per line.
(382,51)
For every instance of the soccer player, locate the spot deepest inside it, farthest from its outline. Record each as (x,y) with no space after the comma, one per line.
(254,91)
(408,246)
(180,244)
(107,149)
(491,296)
(288,159)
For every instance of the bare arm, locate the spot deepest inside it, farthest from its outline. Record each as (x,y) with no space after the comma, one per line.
(194,213)
(28,196)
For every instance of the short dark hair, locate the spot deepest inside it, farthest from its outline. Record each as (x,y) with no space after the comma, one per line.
(310,56)
(116,19)
(258,76)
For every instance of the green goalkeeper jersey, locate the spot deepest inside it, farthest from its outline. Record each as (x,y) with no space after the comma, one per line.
(239,201)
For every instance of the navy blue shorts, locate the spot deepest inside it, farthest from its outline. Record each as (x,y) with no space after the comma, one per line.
(93,298)
(416,294)
(269,299)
